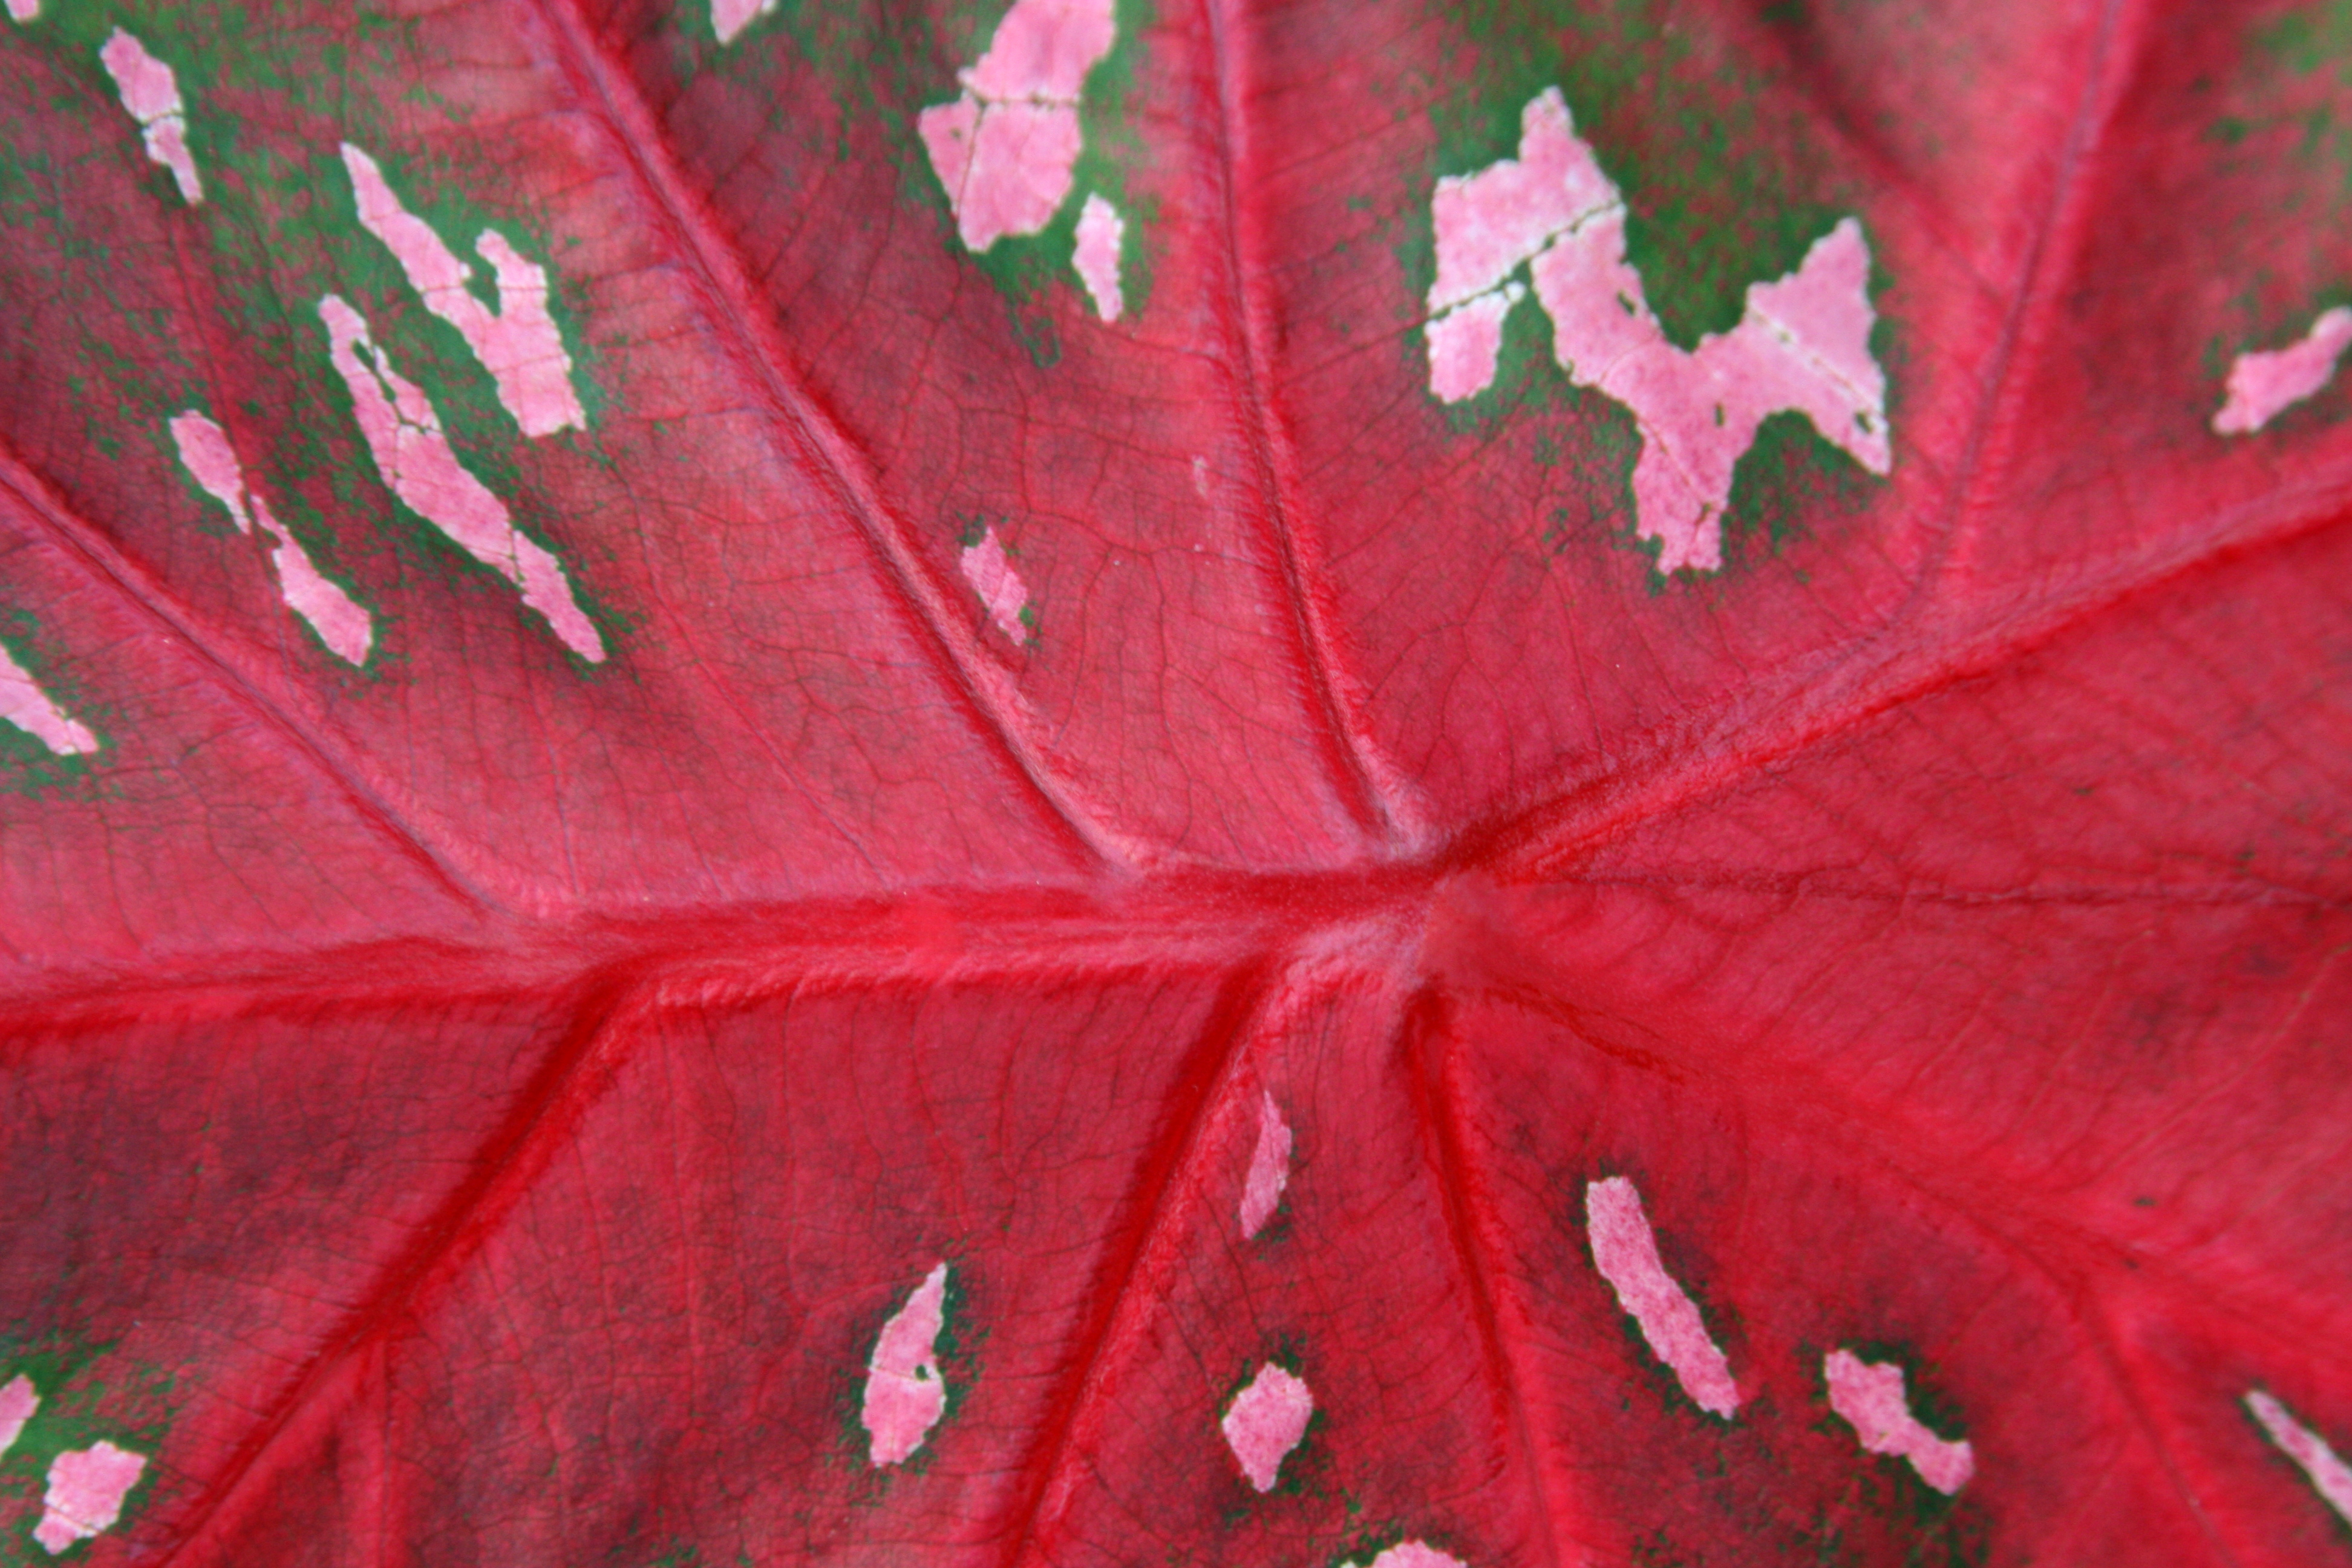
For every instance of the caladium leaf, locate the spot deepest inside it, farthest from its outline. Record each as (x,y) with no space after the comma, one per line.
(1171,781)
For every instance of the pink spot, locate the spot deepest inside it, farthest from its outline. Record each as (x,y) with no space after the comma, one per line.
(24,10)
(87,1486)
(1870,1395)
(338,620)
(1265,1422)
(404,436)
(2263,385)
(151,96)
(1626,1253)
(1802,344)
(905,1395)
(730,18)
(1414,1555)
(999,587)
(517,342)
(18,1400)
(1006,147)
(28,707)
(1269,1168)
(1100,230)
(2329,1477)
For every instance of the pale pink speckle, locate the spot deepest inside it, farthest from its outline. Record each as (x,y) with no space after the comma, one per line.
(2263,385)
(1000,588)
(87,1486)
(1802,344)
(730,18)
(519,343)
(404,436)
(18,1400)
(342,624)
(26,706)
(2330,1478)
(150,95)
(1004,150)
(1626,1253)
(1265,1422)
(1100,230)
(1870,1395)
(1414,1555)
(1269,1168)
(24,10)
(905,1395)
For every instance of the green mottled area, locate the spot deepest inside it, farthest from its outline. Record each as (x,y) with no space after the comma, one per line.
(88,1395)
(268,106)
(28,766)
(2313,38)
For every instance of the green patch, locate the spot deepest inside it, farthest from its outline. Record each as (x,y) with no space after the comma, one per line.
(2306,39)
(1789,484)
(28,766)
(128,1406)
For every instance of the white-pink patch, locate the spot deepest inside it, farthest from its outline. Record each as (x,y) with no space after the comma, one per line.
(1626,1253)
(152,97)
(18,1400)
(519,343)
(1802,344)
(1870,1395)
(1269,1168)
(1414,1555)
(1006,147)
(25,10)
(2263,385)
(403,435)
(87,1486)
(905,1395)
(730,18)
(1000,587)
(342,624)
(2330,1478)
(1100,232)
(1265,1422)
(25,705)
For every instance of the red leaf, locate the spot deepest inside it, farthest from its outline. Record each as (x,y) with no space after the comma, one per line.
(876,785)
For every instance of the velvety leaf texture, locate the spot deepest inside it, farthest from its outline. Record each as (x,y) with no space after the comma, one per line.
(1518,784)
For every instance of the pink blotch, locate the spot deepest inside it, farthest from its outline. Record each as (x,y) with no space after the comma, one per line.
(905,1395)
(2263,385)
(1465,343)
(87,1486)
(24,10)
(999,587)
(2329,1476)
(1265,1422)
(1269,1168)
(150,95)
(1626,1253)
(205,453)
(1870,1395)
(1414,1555)
(1489,223)
(1100,231)
(730,18)
(404,436)
(1004,150)
(18,1400)
(26,706)
(519,343)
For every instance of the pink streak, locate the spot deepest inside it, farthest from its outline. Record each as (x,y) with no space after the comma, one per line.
(342,624)
(999,587)
(1870,1395)
(1100,230)
(905,1396)
(1626,1253)
(28,707)
(152,97)
(1006,147)
(18,1400)
(2263,385)
(1414,1555)
(517,342)
(87,1486)
(1269,1168)
(1802,344)
(1265,1422)
(403,435)
(2329,1477)
(730,18)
